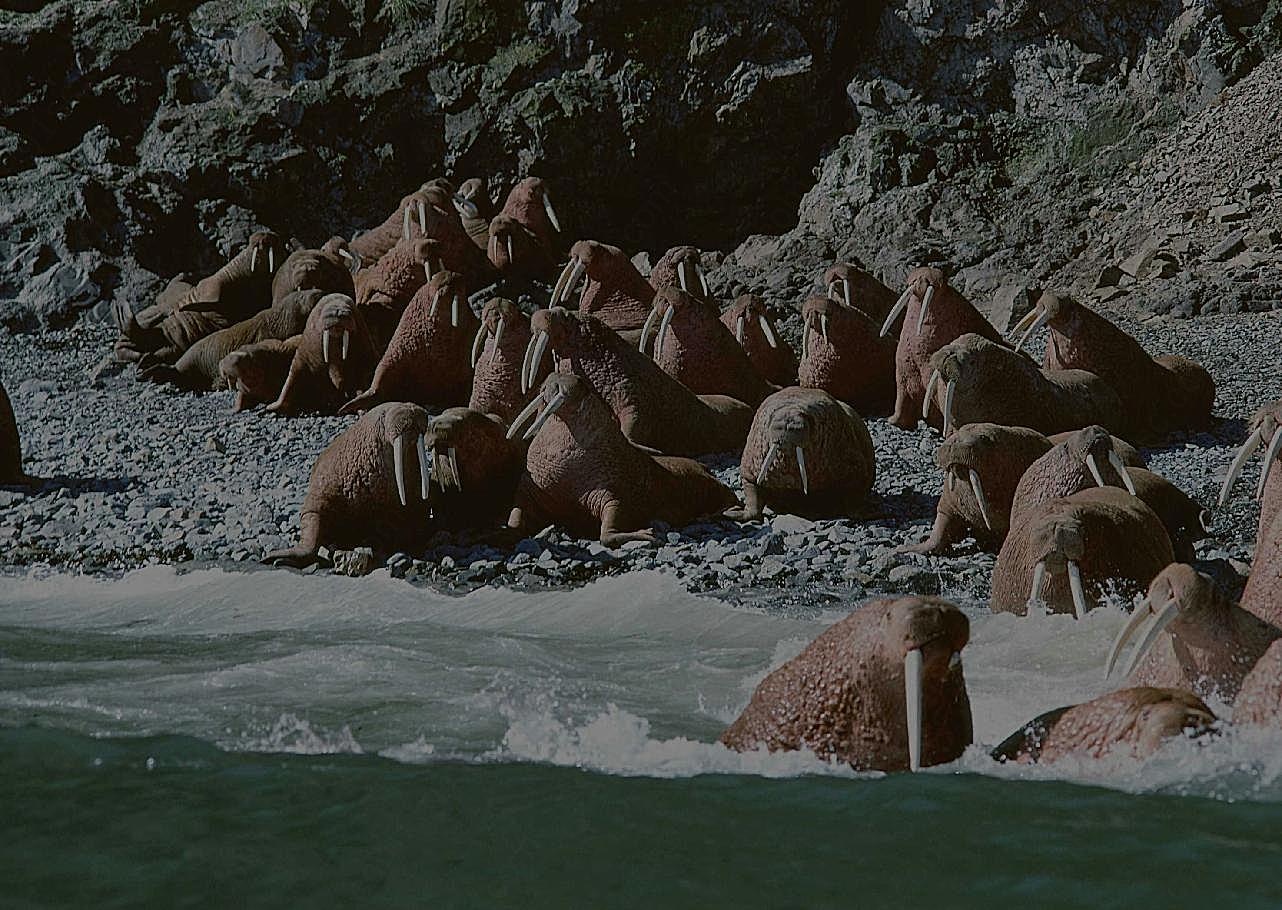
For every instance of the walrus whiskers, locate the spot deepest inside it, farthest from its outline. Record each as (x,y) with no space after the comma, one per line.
(398,460)
(1075,585)
(898,308)
(1275,444)
(977,488)
(1248,449)
(925,305)
(913,673)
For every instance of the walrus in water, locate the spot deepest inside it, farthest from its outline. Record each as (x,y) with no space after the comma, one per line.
(882,690)
(362,490)
(257,372)
(384,289)
(693,347)
(613,291)
(1129,722)
(1191,637)
(1159,394)
(843,354)
(475,210)
(581,472)
(749,320)
(854,287)
(681,267)
(1263,593)
(10,445)
(334,361)
(652,408)
(1259,702)
(973,380)
(498,356)
(807,453)
(936,315)
(1065,546)
(426,362)
(474,469)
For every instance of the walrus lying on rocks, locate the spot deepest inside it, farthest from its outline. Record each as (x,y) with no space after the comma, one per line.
(10,444)
(257,372)
(1191,637)
(614,291)
(852,286)
(1263,593)
(808,454)
(426,361)
(475,210)
(652,408)
(334,361)
(198,369)
(936,316)
(517,253)
(882,689)
(843,354)
(474,469)
(384,289)
(749,320)
(681,267)
(1159,394)
(305,270)
(368,488)
(498,356)
(373,245)
(1130,722)
(973,380)
(693,347)
(1259,701)
(530,204)
(583,473)
(1092,538)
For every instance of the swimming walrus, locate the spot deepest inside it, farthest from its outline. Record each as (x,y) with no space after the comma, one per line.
(369,488)
(843,354)
(334,360)
(808,454)
(257,372)
(613,291)
(882,690)
(652,408)
(582,473)
(474,469)
(749,320)
(1263,593)
(498,355)
(851,285)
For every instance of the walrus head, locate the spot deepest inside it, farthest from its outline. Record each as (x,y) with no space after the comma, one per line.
(263,248)
(597,261)
(452,440)
(971,367)
(790,428)
(854,287)
(309,269)
(556,326)
(923,284)
(1061,311)
(1181,601)
(338,249)
(969,453)
(1266,423)
(510,241)
(448,299)
(335,317)
(402,425)
(671,302)
(498,315)
(473,199)
(681,267)
(1056,539)
(565,394)
(530,194)
(826,321)
(1093,447)
(749,313)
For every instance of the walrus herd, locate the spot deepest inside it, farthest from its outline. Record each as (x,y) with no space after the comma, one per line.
(470,411)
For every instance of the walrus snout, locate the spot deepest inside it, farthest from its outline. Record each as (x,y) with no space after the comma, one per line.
(927,624)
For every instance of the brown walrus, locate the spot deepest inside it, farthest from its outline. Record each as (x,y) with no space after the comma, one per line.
(1130,722)
(474,469)
(693,347)
(373,245)
(581,472)
(1259,701)
(843,354)
(530,203)
(1263,593)
(384,289)
(517,253)
(475,210)
(652,408)
(368,488)
(10,444)
(1066,546)
(856,288)
(681,267)
(882,689)
(749,320)
(198,369)
(498,353)
(305,270)
(936,315)
(976,381)
(983,464)
(453,246)
(426,361)
(1190,636)
(257,372)
(334,361)
(614,291)
(807,453)
(1159,394)
(1083,459)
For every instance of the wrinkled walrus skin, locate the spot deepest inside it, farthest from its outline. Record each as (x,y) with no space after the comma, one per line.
(749,320)
(323,377)
(496,380)
(581,472)
(854,287)
(1259,701)
(843,353)
(843,697)
(837,452)
(308,270)
(613,291)
(384,289)
(257,372)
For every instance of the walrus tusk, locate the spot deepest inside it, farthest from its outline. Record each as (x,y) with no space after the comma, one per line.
(662,334)
(424,472)
(832,284)
(398,459)
(951,474)
(925,305)
(768,461)
(353,262)
(253,259)
(930,393)
(477,341)
(1248,449)
(703,280)
(1275,444)
(525,363)
(1043,317)
(507,239)
(552,406)
(405,224)
(912,705)
(271,260)
(458,478)
(498,334)
(427,270)
(898,308)
(325,345)
(1120,467)
(1075,585)
(681,276)
(1094,469)
(1024,322)
(347,337)
(801,469)
(768,332)
(806,326)
(738,329)
(547,207)
(977,488)
(823,325)
(526,413)
(845,290)
(540,345)
(1143,610)
(454,310)
(436,298)
(646,327)
(1160,620)
(948,405)
(560,281)
(1039,579)
(422,216)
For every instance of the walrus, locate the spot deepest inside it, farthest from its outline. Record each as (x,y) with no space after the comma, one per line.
(936,315)
(1263,593)
(374,244)
(334,361)
(1129,722)
(652,408)
(693,347)
(856,288)
(517,253)
(453,245)
(1064,546)
(257,372)
(843,354)
(749,320)
(305,270)
(475,210)
(1084,459)
(808,454)
(384,289)
(581,472)
(1185,520)
(498,354)
(198,368)
(11,472)
(426,362)
(1159,394)
(681,267)
(881,690)
(362,490)
(1190,636)
(613,291)
(983,464)
(976,381)
(1259,701)
(474,469)
(530,203)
